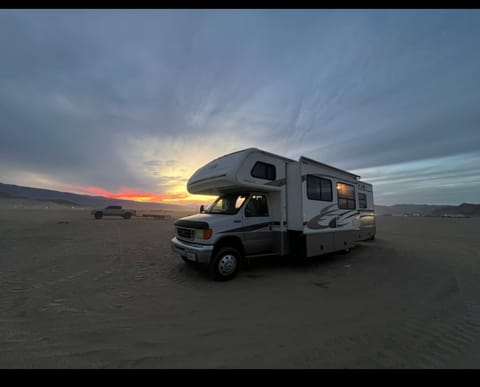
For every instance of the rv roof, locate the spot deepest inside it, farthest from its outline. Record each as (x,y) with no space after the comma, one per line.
(254,150)
(303,158)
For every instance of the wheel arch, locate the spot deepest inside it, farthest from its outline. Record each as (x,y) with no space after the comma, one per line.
(229,241)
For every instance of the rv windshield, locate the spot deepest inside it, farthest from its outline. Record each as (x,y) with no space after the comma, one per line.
(228,204)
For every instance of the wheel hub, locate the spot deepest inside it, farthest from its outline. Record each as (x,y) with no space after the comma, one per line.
(227,265)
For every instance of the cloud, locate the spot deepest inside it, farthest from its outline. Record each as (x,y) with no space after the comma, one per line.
(130,98)
(443,180)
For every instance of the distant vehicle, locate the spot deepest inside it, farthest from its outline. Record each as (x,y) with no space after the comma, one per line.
(113,211)
(271,205)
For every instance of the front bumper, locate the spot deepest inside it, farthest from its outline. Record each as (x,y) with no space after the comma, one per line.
(193,252)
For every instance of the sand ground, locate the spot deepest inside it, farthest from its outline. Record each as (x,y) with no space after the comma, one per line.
(81,293)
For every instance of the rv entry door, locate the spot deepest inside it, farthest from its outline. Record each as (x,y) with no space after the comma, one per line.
(257,233)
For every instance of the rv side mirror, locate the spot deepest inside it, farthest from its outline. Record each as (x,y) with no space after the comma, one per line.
(202,208)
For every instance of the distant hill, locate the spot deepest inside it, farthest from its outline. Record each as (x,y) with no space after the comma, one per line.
(62,202)
(8,191)
(465,209)
(401,209)
(77,200)
(383,210)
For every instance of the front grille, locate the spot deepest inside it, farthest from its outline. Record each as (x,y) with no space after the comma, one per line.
(185,233)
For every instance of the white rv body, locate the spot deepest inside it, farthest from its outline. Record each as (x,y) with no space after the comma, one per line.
(289,207)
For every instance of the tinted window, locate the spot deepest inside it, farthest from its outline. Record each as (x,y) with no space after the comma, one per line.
(346,196)
(257,206)
(263,171)
(319,188)
(362,200)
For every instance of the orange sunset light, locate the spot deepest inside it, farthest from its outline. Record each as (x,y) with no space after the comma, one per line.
(177,197)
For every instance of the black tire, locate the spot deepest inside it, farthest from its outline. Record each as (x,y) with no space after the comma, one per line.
(128,215)
(225,263)
(372,238)
(98,215)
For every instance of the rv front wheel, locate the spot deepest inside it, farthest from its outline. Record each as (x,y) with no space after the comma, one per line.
(225,264)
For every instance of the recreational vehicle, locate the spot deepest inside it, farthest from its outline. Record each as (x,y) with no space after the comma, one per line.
(272,205)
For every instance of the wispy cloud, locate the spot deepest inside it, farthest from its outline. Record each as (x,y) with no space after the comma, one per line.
(130,98)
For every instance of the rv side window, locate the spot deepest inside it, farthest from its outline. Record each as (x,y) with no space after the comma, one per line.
(362,200)
(319,188)
(257,206)
(263,171)
(346,196)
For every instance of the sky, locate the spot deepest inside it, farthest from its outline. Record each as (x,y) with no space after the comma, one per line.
(129,103)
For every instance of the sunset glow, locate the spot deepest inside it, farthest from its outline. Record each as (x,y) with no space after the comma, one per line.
(111,111)
(183,198)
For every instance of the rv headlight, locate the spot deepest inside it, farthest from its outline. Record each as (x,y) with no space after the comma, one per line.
(203,234)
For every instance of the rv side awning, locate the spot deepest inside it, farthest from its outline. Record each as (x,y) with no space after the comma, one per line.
(306,159)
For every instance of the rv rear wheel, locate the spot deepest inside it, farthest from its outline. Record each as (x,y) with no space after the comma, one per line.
(225,264)
(98,215)
(128,215)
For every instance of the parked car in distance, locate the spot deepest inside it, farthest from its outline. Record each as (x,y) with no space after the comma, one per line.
(113,211)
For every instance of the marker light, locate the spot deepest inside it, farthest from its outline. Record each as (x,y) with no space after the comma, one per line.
(207,233)
(203,234)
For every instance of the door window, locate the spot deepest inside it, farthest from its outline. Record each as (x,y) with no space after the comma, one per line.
(257,206)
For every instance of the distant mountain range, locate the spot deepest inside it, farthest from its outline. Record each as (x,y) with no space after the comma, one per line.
(76,200)
(465,209)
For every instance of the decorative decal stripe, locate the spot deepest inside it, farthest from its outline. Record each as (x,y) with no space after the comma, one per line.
(349,216)
(329,212)
(334,220)
(344,213)
(325,210)
(248,228)
(322,213)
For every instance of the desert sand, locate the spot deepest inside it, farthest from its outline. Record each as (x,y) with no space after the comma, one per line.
(82,293)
